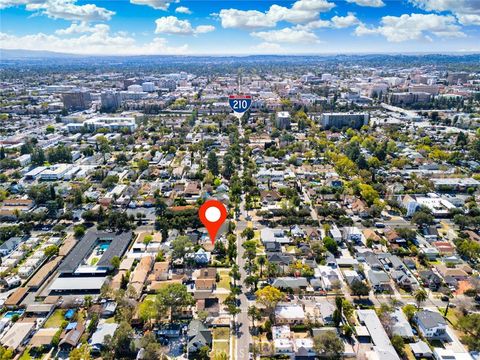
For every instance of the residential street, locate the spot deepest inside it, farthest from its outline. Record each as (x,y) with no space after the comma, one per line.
(243,332)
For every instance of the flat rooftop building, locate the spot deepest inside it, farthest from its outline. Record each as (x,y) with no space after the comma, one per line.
(341,120)
(77,285)
(111,244)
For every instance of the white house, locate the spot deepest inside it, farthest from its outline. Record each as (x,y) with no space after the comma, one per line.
(431,324)
(289,314)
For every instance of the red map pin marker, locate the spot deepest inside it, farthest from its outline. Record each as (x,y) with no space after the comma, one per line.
(212,215)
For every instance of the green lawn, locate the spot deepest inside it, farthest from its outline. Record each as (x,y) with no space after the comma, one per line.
(221,341)
(221,333)
(224,279)
(26,355)
(110,320)
(221,346)
(408,352)
(260,247)
(292,249)
(452,315)
(55,320)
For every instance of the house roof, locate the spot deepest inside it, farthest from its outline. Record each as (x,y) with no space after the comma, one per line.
(371,234)
(290,282)
(43,337)
(208,273)
(378,277)
(377,332)
(430,319)
(198,335)
(103,330)
(17,334)
(401,326)
(77,283)
(10,244)
(420,348)
(280,258)
(118,245)
(204,283)
(72,336)
(16,297)
(289,311)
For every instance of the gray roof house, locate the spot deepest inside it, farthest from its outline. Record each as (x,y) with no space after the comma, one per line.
(379,279)
(8,246)
(198,336)
(98,337)
(402,279)
(401,326)
(373,261)
(381,343)
(420,349)
(294,283)
(431,324)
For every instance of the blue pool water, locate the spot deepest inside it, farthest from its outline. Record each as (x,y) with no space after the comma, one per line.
(9,314)
(69,314)
(104,246)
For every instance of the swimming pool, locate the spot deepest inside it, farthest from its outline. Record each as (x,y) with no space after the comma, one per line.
(10,314)
(103,246)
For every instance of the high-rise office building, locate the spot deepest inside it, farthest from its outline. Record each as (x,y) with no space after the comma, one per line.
(282,120)
(341,120)
(408,98)
(77,100)
(111,100)
(148,86)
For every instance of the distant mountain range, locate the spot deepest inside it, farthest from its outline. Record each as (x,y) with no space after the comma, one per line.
(31,54)
(18,54)
(218,64)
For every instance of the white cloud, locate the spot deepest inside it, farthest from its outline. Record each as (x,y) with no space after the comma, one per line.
(83,27)
(413,27)
(466,11)
(317,24)
(302,11)
(460,6)
(468,19)
(341,22)
(293,15)
(98,42)
(337,22)
(156,4)
(202,29)
(250,19)
(362,30)
(370,3)
(9,3)
(173,25)
(63,9)
(183,10)
(313,5)
(287,35)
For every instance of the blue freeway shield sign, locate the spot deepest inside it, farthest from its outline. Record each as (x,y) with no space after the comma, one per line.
(240,103)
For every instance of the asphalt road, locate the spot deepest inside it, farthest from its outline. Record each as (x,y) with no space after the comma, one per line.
(243,337)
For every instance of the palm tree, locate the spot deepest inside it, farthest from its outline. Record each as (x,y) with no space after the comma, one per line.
(420,296)
(235,274)
(252,281)
(254,314)
(262,260)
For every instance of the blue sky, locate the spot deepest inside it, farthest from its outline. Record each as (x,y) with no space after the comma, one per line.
(134,27)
